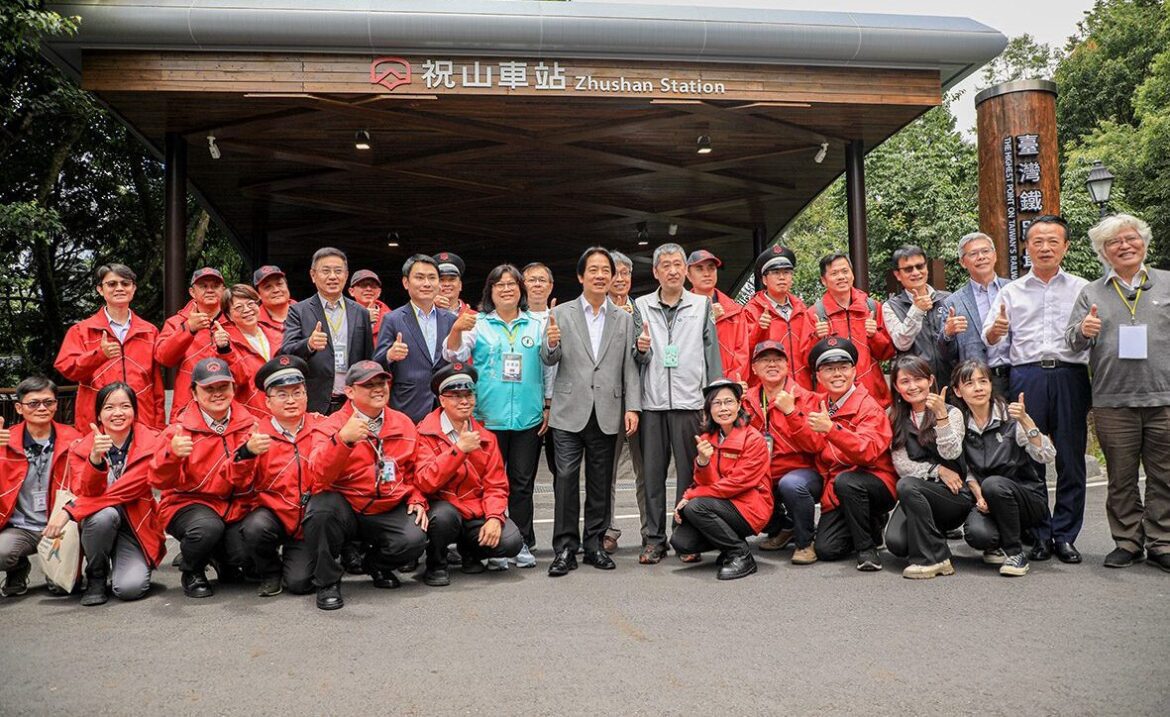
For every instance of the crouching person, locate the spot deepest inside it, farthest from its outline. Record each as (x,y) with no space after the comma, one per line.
(458,466)
(363,466)
(204,469)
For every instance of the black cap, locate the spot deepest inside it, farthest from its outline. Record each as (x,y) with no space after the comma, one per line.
(204,273)
(365,371)
(364,275)
(281,371)
(766,346)
(449,264)
(719,383)
(832,349)
(210,371)
(265,272)
(456,376)
(776,257)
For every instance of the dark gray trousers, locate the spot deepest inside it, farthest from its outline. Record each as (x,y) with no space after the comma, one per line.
(665,434)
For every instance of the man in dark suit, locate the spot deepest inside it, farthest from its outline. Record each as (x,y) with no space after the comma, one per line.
(328,331)
(410,342)
(960,337)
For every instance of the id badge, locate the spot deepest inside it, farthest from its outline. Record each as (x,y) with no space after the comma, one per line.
(1132,342)
(512,368)
(339,360)
(41,501)
(769,440)
(389,471)
(670,356)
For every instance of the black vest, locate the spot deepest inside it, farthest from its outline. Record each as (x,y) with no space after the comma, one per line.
(995,452)
(926,342)
(915,451)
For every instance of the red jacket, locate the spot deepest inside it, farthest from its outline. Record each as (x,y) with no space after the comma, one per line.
(850,323)
(81,359)
(383,310)
(131,490)
(859,441)
(353,471)
(270,323)
(732,333)
(179,348)
(475,483)
(244,362)
(791,449)
(211,475)
(14,467)
(737,472)
(283,476)
(793,332)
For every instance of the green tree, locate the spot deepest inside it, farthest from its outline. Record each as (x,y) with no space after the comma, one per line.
(1022,59)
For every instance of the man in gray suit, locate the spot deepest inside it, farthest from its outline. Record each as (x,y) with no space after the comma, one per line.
(960,336)
(591,343)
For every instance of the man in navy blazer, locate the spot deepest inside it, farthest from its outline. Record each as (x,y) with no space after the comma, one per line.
(410,342)
(329,331)
(960,337)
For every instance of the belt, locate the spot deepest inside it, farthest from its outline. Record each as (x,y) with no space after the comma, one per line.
(1001,371)
(1051,363)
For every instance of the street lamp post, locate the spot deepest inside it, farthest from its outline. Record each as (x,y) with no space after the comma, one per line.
(1100,185)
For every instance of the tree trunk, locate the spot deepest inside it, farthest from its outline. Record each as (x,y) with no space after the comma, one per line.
(43,254)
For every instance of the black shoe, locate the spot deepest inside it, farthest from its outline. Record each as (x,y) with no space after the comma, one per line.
(270,586)
(329,597)
(471,566)
(565,561)
(1068,553)
(453,556)
(1160,561)
(229,574)
(737,566)
(195,584)
(599,559)
(95,591)
(16,580)
(868,561)
(437,577)
(721,560)
(352,559)
(386,580)
(1122,558)
(956,534)
(408,567)
(1041,551)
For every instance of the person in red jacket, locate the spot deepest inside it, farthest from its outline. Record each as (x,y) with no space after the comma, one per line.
(364,486)
(33,467)
(113,345)
(703,273)
(273,532)
(366,288)
(189,336)
(853,438)
(272,286)
(204,468)
(250,346)
(776,314)
(451,268)
(777,406)
(849,313)
(459,468)
(121,535)
(731,497)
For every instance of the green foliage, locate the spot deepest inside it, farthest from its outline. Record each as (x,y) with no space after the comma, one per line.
(1022,59)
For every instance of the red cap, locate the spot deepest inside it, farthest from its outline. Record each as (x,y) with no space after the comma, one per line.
(701,255)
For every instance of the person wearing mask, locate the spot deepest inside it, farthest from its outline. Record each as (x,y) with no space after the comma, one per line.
(595,397)
(204,468)
(1123,321)
(121,535)
(250,345)
(33,467)
(459,468)
(190,335)
(731,496)
(850,313)
(364,487)
(915,316)
(933,496)
(776,314)
(703,274)
(631,445)
(679,351)
(504,345)
(114,344)
(1004,453)
(272,286)
(366,288)
(961,337)
(777,406)
(450,292)
(410,342)
(1031,315)
(328,331)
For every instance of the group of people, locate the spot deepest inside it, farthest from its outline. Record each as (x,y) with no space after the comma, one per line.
(310,439)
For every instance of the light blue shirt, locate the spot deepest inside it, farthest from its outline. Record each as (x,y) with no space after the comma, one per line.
(429,323)
(997,355)
(335,321)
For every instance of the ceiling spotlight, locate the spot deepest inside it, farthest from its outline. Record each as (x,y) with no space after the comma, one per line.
(643,234)
(672,229)
(643,243)
(212,147)
(821,153)
(361,139)
(704,145)
(392,239)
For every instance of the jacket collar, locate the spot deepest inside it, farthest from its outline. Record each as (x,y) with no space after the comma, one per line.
(857,303)
(99,323)
(391,428)
(192,419)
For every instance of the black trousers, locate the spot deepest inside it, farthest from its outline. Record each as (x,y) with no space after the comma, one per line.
(711,524)
(272,552)
(570,449)
(521,453)
(856,524)
(926,511)
(448,526)
(330,521)
(203,537)
(665,434)
(1011,509)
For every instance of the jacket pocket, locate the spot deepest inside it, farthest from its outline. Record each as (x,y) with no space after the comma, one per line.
(563,387)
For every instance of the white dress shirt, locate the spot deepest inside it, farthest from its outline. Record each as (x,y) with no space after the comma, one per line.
(1038,315)
(594,322)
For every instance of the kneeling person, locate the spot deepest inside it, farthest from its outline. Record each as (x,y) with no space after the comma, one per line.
(459,468)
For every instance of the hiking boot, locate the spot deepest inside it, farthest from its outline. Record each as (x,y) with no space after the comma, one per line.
(779,541)
(804,556)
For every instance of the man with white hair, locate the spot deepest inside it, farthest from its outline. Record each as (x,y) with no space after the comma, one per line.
(1123,321)
(960,338)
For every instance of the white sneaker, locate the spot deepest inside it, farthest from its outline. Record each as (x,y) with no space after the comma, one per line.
(994,557)
(524,559)
(926,572)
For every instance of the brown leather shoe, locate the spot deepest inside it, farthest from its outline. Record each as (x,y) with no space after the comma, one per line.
(776,542)
(690,557)
(804,556)
(652,554)
(609,544)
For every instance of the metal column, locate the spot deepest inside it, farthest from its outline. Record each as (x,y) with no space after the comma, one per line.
(855,206)
(175,241)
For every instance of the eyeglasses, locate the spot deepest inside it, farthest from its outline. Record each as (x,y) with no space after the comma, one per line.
(920,266)
(124,284)
(506,285)
(721,402)
(37,405)
(329,271)
(834,368)
(243,306)
(1127,239)
(977,253)
(461,397)
(538,280)
(286,396)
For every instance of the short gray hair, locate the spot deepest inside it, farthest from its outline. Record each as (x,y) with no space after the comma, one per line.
(328,251)
(668,248)
(620,258)
(1111,226)
(973,236)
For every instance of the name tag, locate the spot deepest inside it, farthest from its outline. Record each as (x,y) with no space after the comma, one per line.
(769,440)
(41,501)
(1131,342)
(670,356)
(512,367)
(389,472)
(339,362)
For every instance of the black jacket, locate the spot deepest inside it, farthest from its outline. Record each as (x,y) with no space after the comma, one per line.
(302,318)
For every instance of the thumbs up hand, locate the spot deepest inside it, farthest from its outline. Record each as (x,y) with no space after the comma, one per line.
(819,421)
(923,300)
(955,324)
(1018,411)
(318,340)
(706,450)
(181,443)
(1091,324)
(111,349)
(465,322)
(197,321)
(398,349)
(1000,327)
(644,338)
(468,441)
(102,444)
(765,319)
(822,328)
(221,337)
(355,429)
(871,325)
(443,301)
(785,401)
(258,443)
(4,432)
(937,402)
(552,332)
(716,310)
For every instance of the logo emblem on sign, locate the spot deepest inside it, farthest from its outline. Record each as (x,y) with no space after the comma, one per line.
(390,72)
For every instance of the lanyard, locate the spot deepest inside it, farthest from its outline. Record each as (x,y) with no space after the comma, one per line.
(511,333)
(764,405)
(335,326)
(1132,307)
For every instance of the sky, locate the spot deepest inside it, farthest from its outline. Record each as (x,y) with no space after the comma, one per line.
(1048,21)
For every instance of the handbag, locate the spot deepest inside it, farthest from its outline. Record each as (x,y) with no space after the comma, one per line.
(61,556)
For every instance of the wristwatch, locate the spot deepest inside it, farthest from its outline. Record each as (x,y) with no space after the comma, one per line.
(1032,432)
